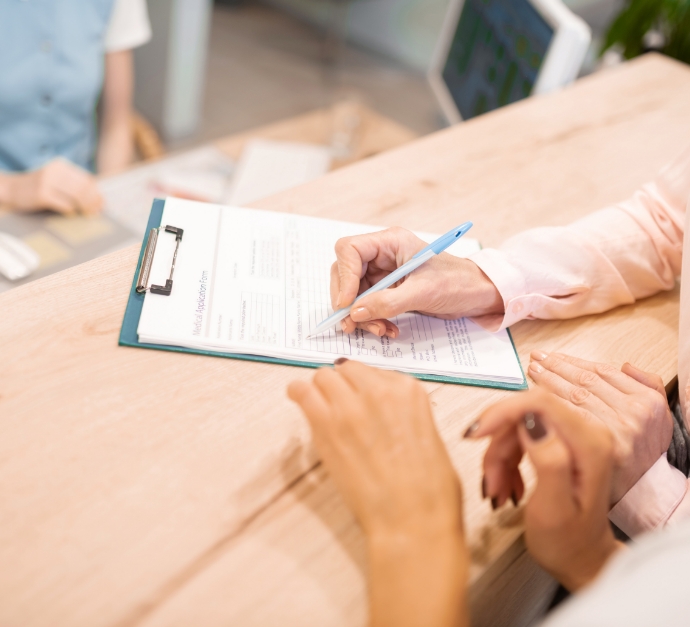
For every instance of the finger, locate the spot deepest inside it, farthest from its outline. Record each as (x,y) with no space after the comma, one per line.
(554,497)
(92,200)
(60,202)
(79,185)
(553,410)
(607,372)
(578,377)
(376,327)
(589,441)
(333,387)
(379,328)
(518,487)
(500,464)
(653,381)
(392,329)
(506,413)
(310,400)
(353,255)
(335,287)
(366,379)
(89,198)
(388,303)
(347,325)
(579,397)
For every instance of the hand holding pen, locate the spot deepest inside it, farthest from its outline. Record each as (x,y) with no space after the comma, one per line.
(445,286)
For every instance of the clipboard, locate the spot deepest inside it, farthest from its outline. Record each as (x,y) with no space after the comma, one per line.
(129,336)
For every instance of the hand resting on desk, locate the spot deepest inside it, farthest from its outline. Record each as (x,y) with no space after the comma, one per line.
(630,402)
(567,530)
(445,286)
(376,435)
(58,185)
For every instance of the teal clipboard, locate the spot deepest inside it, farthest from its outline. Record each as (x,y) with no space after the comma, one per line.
(130,323)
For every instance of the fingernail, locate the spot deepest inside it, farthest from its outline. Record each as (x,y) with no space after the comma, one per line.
(374,328)
(483,487)
(340,361)
(539,355)
(514,498)
(360,314)
(535,427)
(494,503)
(471,429)
(343,326)
(536,367)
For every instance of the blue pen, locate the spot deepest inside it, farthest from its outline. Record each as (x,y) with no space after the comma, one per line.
(421,257)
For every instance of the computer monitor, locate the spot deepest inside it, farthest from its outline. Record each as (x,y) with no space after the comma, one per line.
(494,52)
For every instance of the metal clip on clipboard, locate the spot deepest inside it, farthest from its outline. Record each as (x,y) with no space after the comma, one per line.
(147,262)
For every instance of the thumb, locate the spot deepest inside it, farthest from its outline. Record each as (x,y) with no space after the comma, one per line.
(653,381)
(554,497)
(387,303)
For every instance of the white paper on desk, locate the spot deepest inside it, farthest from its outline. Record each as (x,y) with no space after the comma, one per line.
(204,174)
(268,167)
(257,282)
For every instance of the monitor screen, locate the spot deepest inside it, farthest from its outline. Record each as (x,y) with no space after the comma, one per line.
(495,55)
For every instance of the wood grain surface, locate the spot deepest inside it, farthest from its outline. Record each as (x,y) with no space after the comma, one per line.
(142,488)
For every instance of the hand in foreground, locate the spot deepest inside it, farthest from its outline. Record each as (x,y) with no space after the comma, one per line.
(445,286)
(630,402)
(375,433)
(566,519)
(59,185)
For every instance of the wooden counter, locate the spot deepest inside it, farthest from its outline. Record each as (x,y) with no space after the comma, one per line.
(142,488)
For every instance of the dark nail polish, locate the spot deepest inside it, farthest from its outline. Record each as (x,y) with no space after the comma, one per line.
(340,361)
(471,429)
(483,487)
(514,498)
(535,427)
(494,503)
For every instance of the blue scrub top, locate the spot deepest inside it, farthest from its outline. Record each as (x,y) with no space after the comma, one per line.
(51,75)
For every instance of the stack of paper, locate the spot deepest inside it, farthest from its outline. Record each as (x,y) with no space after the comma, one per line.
(268,167)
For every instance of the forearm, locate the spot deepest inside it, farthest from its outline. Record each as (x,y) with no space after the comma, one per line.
(418,582)
(609,258)
(116,147)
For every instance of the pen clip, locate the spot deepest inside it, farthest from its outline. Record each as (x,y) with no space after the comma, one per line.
(443,242)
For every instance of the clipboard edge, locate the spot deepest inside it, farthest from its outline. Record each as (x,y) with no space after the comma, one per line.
(135,302)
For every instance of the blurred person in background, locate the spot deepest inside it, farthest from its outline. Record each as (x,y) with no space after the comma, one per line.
(60,60)
(375,432)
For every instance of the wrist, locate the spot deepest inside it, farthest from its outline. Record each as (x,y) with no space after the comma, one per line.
(580,577)
(479,290)
(418,579)
(425,552)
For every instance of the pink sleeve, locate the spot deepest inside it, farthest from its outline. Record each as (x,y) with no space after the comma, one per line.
(659,498)
(609,258)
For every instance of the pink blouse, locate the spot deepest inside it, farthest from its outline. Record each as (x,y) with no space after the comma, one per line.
(611,257)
